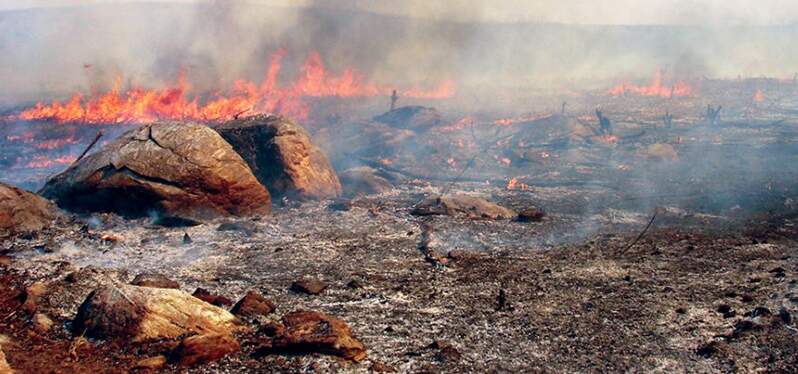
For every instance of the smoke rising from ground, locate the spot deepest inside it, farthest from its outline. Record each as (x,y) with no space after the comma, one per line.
(49,52)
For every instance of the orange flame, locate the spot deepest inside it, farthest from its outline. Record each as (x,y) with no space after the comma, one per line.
(656,88)
(759,96)
(138,105)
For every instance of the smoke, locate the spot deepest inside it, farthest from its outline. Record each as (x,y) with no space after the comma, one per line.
(483,46)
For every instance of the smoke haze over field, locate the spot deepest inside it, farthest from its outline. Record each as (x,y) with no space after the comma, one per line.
(53,48)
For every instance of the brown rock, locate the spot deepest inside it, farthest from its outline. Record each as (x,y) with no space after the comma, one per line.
(253,304)
(201,349)
(154,280)
(5,368)
(379,367)
(417,118)
(175,169)
(314,332)
(531,215)
(364,181)
(459,205)
(150,364)
(22,212)
(41,323)
(31,297)
(5,261)
(282,157)
(208,297)
(308,286)
(145,313)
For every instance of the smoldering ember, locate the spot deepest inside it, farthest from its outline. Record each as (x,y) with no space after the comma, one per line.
(339,186)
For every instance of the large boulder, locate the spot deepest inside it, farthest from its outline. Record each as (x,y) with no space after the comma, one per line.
(147,313)
(22,212)
(416,118)
(462,205)
(175,169)
(282,156)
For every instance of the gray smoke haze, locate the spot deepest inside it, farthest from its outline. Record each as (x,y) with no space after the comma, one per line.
(53,48)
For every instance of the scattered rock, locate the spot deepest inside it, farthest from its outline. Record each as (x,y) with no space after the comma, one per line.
(707,350)
(5,261)
(253,304)
(417,118)
(23,213)
(364,181)
(154,280)
(379,367)
(201,349)
(187,238)
(308,286)
(246,228)
(72,277)
(448,354)
(154,363)
(208,297)
(313,332)
(472,207)
(175,169)
(145,313)
(282,157)
(355,284)
(531,215)
(41,323)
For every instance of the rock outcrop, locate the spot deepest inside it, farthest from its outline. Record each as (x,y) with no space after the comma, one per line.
(313,332)
(145,313)
(460,205)
(22,212)
(282,156)
(176,169)
(364,181)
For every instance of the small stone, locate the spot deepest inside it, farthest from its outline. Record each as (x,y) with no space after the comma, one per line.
(154,280)
(531,215)
(253,304)
(210,298)
(308,286)
(746,298)
(41,323)
(379,367)
(150,364)
(5,261)
(681,310)
(200,349)
(448,354)
(31,296)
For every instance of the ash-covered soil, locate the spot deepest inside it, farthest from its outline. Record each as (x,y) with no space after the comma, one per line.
(698,292)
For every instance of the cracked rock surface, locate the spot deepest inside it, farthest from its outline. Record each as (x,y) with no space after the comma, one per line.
(176,169)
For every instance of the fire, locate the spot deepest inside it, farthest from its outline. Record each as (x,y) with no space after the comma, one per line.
(139,105)
(514,184)
(656,88)
(759,96)
(526,118)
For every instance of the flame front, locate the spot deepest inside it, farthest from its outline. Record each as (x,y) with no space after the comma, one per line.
(656,88)
(138,105)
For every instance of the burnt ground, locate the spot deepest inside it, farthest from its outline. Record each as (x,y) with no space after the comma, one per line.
(592,305)
(710,287)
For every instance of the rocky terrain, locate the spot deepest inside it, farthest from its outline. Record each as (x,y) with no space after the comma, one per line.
(407,243)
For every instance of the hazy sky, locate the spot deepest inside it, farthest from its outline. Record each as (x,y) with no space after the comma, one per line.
(713,12)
